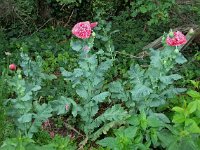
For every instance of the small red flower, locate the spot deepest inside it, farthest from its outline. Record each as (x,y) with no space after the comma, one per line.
(12,67)
(83,30)
(177,39)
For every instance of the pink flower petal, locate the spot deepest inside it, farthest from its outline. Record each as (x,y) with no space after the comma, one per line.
(93,25)
(82,30)
(178,39)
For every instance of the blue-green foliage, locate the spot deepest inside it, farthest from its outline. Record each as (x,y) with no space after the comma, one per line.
(88,80)
(58,143)
(148,89)
(27,112)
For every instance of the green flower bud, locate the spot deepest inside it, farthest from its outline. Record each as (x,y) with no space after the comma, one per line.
(176,50)
(93,34)
(191,31)
(19,76)
(171,34)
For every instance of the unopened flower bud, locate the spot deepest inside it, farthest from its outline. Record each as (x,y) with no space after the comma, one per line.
(19,76)
(93,34)
(191,31)
(12,67)
(171,34)
(176,50)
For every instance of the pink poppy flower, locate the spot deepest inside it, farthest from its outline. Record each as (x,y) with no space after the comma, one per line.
(83,30)
(177,39)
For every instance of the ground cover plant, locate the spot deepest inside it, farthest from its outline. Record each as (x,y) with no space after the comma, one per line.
(74,75)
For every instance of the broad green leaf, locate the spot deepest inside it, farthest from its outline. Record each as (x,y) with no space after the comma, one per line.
(59,106)
(188,143)
(36,88)
(27,97)
(136,74)
(75,107)
(133,120)
(156,60)
(96,81)
(192,106)
(178,118)
(162,117)
(178,109)
(115,113)
(20,106)
(130,132)
(166,137)
(195,83)
(143,9)
(143,120)
(77,73)
(117,91)
(194,94)
(169,79)
(174,146)
(50,77)
(82,93)
(93,63)
(25,118)
(141,91)
(76,45)
(192,126)
(42,113)
(171,91)
(101,97)
(109,142)
(116,87)
(154,137)
(65,73)
(106,127)
(104,66)
(156,102)
(181,59)
(153,121)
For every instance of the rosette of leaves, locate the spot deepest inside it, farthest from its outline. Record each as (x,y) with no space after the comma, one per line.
(88,81)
